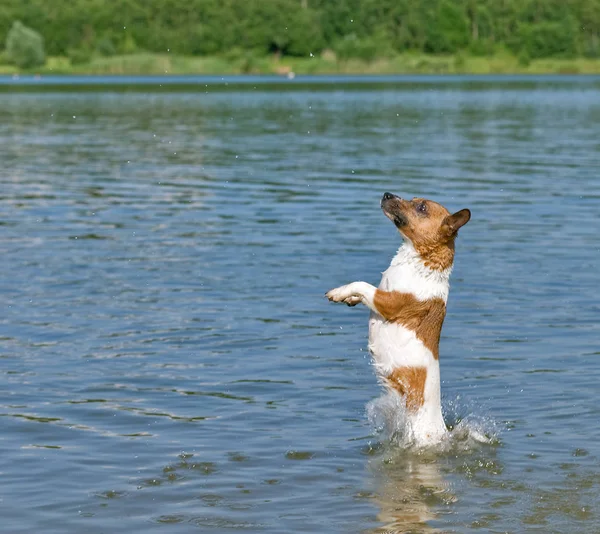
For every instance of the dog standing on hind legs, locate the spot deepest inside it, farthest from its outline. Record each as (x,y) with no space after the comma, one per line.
(408,309)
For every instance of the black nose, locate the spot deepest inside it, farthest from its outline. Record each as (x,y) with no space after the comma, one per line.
(388,196)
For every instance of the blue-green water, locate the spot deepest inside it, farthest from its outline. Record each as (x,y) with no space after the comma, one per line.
(168,362)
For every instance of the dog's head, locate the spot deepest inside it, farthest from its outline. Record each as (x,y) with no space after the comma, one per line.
(423,222)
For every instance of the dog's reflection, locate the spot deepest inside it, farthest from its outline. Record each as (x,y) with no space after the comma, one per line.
(409,490)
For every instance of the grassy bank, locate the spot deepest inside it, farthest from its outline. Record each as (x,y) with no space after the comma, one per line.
(137,64)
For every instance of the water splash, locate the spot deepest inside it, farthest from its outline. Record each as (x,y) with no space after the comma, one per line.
(467,429)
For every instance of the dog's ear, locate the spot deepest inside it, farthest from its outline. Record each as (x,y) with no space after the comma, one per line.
(452,223)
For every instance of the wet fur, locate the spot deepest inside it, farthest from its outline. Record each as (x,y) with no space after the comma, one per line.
(408,309)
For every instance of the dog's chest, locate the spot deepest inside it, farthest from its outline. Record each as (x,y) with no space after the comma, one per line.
(416,279)
(392,344)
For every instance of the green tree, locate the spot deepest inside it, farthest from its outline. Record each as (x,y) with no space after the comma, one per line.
(305,34)
(448,28)
(589,17)
(24,47)
(546,39)
(356,28)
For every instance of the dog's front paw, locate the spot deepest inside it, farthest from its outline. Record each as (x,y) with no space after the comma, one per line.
(339,294)
(352,300)
(343,294)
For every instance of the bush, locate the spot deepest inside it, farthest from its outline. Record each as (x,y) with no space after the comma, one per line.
(25,47)
(459,61)
(549,39)
(248,63)
(524,59)
(367,48)
(482,48)
(106,47)
(305,35)
(352,47)
(448,30)
(79,56)
(591,48)
(128,46)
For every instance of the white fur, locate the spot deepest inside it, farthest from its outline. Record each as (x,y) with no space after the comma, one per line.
(407,273)
(353,294)
(393,345)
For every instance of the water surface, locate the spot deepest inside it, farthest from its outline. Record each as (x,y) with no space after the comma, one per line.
(169,364)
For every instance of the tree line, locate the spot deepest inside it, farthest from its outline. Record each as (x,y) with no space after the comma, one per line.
(364,29)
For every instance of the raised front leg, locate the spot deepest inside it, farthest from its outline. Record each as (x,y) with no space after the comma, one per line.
(354,293)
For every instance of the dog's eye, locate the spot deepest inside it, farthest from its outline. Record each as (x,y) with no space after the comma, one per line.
(422,208)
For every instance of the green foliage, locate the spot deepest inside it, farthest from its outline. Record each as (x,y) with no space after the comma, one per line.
(24,47)
(482,47)
(305,35)
(353,47)
(547,39)
(448,30)
(128,46)
(459,61)
(365,29)
(105,47)
(366,48)
(524,58)
(79,56)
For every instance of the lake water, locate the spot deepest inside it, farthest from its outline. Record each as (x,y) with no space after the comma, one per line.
(168,362)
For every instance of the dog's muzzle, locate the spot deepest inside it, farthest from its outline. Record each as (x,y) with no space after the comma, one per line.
(388,196)
(390,204)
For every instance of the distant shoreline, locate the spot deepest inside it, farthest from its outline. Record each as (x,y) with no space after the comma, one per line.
(409,63)
(205,83)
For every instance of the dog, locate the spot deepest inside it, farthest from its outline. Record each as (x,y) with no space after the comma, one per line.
(408,310)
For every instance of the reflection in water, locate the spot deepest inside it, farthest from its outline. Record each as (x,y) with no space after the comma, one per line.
(413,485)
(410,488)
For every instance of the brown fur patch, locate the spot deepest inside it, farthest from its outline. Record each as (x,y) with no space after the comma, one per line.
(410,383)
(429,226)
(423,317)
(436,256)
